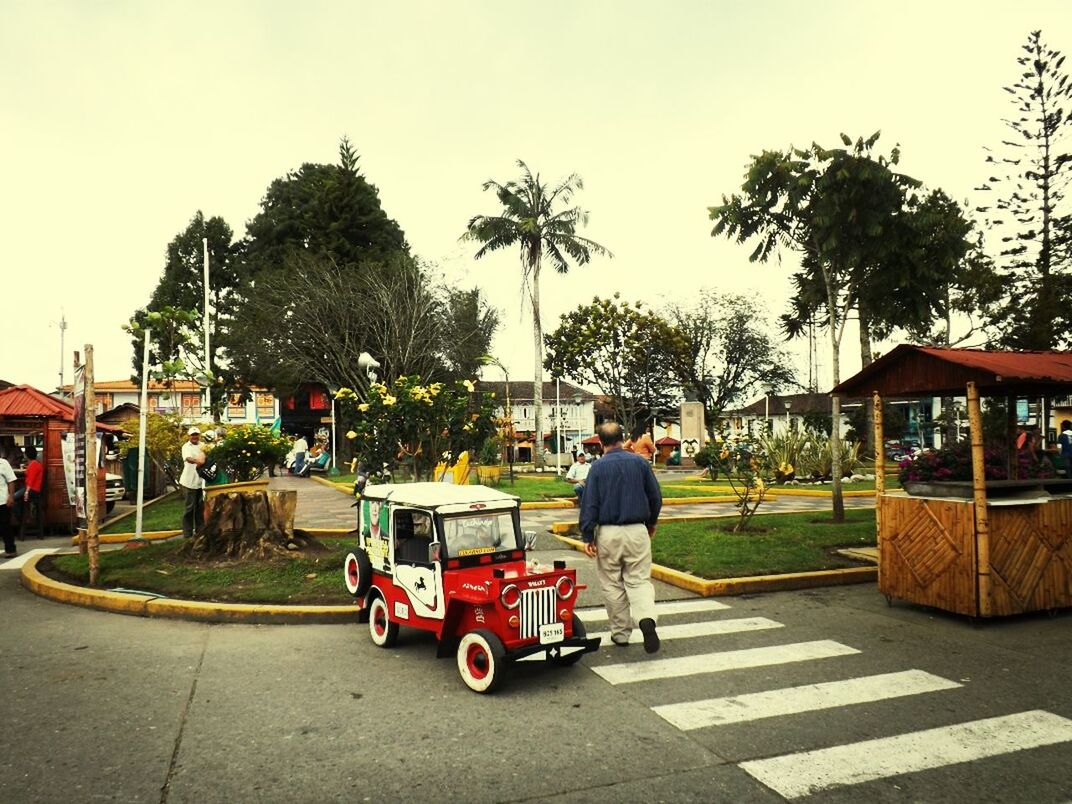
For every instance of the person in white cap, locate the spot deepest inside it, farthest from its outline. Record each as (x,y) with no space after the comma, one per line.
(192,457)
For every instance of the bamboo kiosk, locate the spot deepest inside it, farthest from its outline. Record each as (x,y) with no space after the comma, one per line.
(1006,548)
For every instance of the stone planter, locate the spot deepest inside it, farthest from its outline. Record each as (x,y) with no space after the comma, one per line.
(225,488)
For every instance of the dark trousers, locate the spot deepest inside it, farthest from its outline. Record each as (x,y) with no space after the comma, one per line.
(193,514)
(5,529)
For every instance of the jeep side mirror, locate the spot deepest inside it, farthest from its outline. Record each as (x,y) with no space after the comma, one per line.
(434,552)
(530,539)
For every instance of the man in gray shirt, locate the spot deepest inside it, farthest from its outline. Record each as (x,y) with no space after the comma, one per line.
(619,510)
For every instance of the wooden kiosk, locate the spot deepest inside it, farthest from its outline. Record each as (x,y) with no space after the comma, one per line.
(26,412)
(986,555)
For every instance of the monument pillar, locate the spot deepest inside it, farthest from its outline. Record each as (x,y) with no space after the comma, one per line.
(693,433)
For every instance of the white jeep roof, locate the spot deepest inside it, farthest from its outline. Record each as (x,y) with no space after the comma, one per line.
(434,495)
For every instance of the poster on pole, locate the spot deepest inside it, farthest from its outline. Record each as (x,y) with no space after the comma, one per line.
(67,446)
(80,441)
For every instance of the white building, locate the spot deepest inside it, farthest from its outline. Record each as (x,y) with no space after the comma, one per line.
(566,406)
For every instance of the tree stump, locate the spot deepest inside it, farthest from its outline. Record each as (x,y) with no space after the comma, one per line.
(248,525)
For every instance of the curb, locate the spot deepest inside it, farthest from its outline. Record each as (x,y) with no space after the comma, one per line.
(156,535)
(147,605)
(323,481)
(754,583)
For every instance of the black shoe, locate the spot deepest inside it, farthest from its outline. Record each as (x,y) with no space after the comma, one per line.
(651,638)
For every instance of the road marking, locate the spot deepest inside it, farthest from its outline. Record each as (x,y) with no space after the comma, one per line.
(725,660)
(703,628)
(22,558)
(670,607)
(796,775)
(806,698)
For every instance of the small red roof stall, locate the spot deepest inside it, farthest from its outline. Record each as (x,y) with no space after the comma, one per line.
(26,411)
(988,548)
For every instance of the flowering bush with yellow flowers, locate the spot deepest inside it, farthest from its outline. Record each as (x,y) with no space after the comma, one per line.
(246,449)
(411,424)
(746,467)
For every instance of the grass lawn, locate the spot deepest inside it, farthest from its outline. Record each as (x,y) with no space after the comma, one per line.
(539,488)
(787,543)
(164,515)
(158,569)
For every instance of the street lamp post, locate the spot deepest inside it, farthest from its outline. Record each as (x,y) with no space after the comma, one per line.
(208,353)
(558,431)
(787,404)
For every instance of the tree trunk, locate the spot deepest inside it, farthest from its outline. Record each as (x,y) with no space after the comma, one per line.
(537,384)
(248,525)
(835,412)
(865,361)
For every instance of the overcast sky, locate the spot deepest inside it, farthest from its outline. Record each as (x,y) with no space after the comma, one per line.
(118,120)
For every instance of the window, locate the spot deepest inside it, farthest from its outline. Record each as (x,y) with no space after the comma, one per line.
(236,406)
(153,401)
(484,533)
(104,402)
(318,400)
(413,534)
(191,405)
(265,405)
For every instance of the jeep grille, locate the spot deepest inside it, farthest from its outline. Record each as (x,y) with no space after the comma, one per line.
(537,608)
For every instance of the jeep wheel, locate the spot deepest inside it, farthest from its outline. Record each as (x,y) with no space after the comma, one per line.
(481,660)
(383,632)
(357,573)
(579,632)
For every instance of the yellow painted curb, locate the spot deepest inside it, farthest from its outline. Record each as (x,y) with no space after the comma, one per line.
(146,605)
(817,493)
(345,488)
(120,538)
(751,584)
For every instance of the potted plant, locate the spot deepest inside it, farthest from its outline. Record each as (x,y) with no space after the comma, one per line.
(489,459)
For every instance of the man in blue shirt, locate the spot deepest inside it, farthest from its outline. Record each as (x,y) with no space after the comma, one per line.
(619,510)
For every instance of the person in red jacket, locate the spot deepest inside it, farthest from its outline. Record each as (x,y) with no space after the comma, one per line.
(32,483)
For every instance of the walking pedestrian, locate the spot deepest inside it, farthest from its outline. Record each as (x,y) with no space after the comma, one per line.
(7,493)
(193,456)
(619,510)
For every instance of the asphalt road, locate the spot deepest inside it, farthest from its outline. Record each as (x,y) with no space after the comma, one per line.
(898,704)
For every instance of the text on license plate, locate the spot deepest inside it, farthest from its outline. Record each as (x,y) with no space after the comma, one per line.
(552,632)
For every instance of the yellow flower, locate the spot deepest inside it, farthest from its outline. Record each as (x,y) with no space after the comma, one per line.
(435,388)
(351,434)
(724,454)
(363,407)
(467,427)
(389,400)
(469,385)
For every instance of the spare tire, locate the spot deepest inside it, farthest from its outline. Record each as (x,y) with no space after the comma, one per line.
(357,572)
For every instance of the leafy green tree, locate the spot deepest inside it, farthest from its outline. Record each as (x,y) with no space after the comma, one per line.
(729,352)
(627,352)
(840,210)
(469,324)
(540,222)
(324,210)
(1030,207)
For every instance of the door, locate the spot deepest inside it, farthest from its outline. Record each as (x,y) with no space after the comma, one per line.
(412,532)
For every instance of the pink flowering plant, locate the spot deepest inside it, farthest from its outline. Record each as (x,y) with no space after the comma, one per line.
(955,463)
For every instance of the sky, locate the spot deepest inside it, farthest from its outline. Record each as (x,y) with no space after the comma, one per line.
(119,120)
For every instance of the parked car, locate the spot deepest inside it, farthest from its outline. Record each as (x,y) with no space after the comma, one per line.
(451,560)
(114,491)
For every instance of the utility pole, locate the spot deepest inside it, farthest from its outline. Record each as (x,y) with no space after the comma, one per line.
(208,323)
(63,328)
(142,417)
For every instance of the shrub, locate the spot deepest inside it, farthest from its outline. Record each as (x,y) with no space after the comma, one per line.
(247,449)
(955,463)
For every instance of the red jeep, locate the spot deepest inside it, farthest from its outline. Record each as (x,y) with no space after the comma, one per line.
(451,560)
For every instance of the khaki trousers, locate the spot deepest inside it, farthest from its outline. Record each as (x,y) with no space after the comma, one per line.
(623,566)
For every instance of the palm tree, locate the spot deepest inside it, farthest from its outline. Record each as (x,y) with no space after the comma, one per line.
(529,220)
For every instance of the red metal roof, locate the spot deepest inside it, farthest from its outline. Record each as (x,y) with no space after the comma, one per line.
(668,441)
(25,400)
(910,370)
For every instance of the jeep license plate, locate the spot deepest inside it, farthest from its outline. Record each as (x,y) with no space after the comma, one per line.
(552,633)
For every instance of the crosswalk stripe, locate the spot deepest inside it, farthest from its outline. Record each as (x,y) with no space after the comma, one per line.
(703,628)
(726,660)
(807,698)
(796,775)
(22,558)
(669,607)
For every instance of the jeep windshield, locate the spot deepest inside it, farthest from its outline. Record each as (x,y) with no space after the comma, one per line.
(471,535)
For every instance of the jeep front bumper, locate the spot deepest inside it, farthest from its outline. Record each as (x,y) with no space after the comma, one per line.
(546,653)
